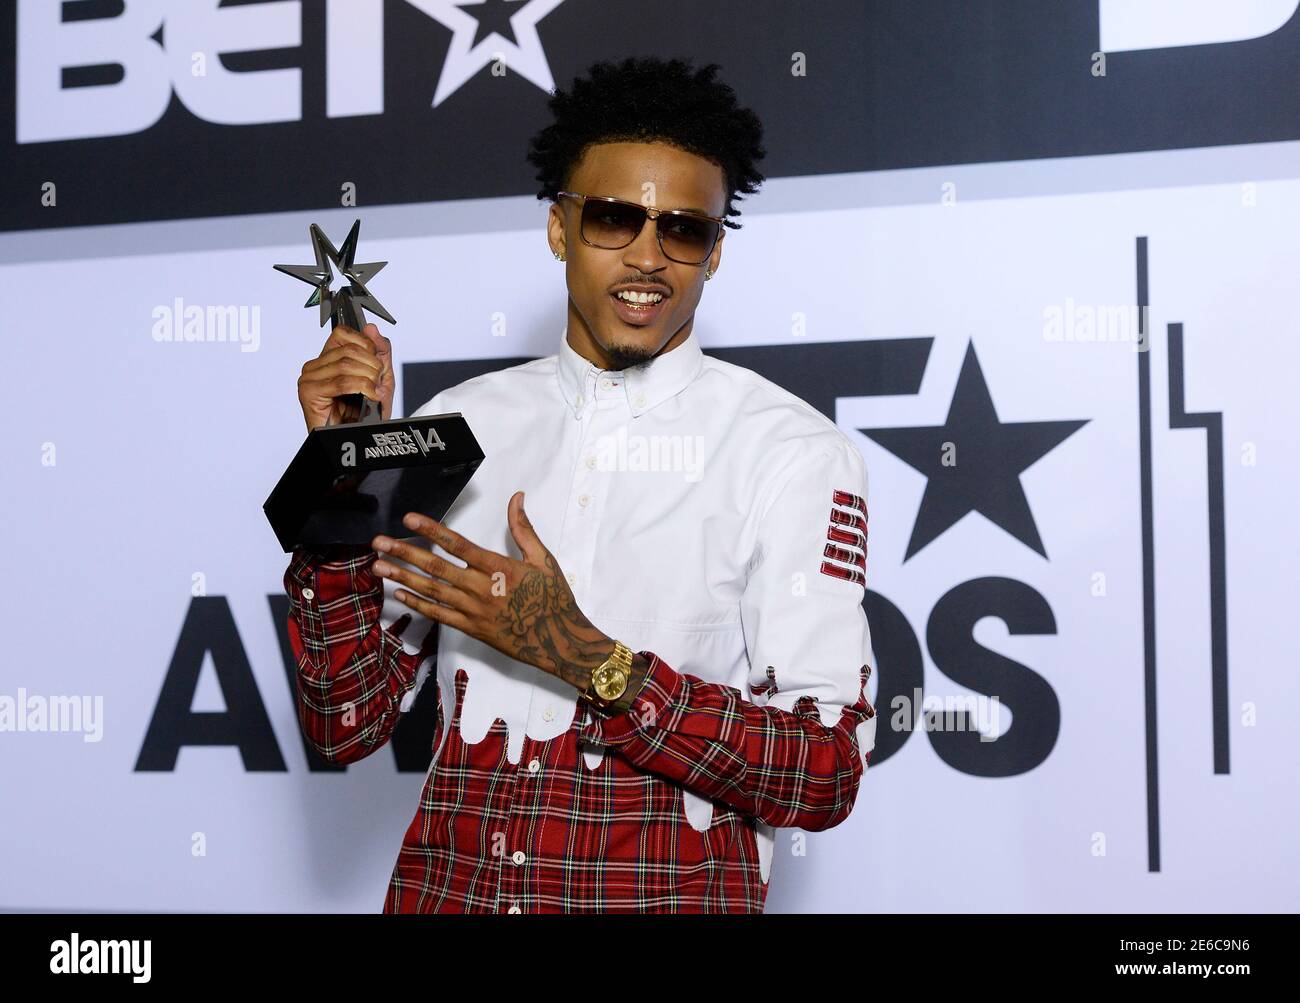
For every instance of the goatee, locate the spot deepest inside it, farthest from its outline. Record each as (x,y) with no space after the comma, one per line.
(627,356)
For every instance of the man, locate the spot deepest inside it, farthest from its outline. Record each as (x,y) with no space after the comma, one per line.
(644,666)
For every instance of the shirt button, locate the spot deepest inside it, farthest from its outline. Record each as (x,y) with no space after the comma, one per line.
(591,463)
(583,499)
(514,909)
(579,400)
(534,766)
(608,384)
(519,857)
(309,593)
(572,578)
(639,400)
(548,714)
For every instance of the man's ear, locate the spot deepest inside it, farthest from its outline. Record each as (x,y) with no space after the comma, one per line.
(715,259)
(555,229)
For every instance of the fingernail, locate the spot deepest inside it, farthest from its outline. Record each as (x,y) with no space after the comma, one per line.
(382,567)
(382,543)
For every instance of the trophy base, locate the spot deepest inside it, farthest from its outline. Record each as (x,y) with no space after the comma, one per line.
(349,483)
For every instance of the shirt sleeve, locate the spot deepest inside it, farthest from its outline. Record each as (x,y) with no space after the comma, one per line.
(797,758)
(353,669)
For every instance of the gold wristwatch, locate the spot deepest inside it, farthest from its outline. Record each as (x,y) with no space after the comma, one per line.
(610,678)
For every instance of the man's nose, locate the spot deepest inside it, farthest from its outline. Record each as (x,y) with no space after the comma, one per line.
(644,252)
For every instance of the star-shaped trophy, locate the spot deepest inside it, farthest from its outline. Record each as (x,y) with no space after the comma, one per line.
(352,481)
(345,306)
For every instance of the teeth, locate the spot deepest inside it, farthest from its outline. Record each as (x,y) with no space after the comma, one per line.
(627,296)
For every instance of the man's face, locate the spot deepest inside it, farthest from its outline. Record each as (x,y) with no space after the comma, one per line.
(654,175)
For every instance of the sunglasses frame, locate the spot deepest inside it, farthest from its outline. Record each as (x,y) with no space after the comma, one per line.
(651,214)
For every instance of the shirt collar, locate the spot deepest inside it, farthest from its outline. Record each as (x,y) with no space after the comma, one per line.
(647,385)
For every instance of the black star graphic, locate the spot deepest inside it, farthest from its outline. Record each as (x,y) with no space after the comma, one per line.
(492,15)
(980,470)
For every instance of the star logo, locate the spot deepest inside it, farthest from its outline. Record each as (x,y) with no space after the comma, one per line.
(973,462)
(479,29)
(321,276)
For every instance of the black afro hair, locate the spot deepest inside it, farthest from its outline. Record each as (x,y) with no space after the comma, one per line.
(645,99)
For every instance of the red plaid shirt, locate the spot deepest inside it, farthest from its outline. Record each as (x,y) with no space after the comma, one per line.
(550,834)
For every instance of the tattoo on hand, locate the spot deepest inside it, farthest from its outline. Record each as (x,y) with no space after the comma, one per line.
(543,622)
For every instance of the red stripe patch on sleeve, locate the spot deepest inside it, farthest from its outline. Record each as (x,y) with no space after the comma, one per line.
(846,554)
(848,574)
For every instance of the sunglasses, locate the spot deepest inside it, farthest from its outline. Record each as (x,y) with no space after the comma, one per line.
(609,223)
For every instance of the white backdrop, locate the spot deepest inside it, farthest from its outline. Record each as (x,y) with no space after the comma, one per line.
(134,465)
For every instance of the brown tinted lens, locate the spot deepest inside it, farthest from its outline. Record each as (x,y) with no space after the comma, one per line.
(611,225)
(688,239)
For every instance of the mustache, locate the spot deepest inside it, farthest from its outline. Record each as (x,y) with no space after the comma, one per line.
(642,280)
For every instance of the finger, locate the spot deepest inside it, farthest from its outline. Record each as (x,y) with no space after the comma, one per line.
(329,392)
(526,538)
(449,540)
(384,351)
(343,367)
(383,347)
(345,336)
(355,353)
(355,349)
(466,579)
(425,586)
(340,385)
(434,611)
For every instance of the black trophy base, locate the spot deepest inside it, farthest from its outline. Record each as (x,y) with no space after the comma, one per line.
(348,483)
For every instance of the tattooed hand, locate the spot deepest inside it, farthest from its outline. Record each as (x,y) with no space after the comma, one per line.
(522,608)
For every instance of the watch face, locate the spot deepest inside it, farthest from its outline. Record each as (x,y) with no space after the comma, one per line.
(609,681)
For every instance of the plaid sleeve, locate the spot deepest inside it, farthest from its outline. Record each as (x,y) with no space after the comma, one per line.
(352,671)
(798,759)
(784,768)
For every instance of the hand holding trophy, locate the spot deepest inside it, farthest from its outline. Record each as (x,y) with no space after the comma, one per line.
(351,368)
(344,310)
(360,472)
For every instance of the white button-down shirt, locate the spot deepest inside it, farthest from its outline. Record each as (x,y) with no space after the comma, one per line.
(698,510)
